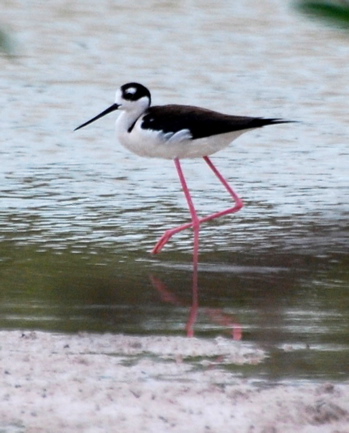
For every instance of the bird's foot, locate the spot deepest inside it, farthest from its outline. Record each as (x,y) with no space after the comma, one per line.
(162,242)
(167,236)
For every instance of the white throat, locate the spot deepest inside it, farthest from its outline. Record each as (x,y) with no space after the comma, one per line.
(131,110)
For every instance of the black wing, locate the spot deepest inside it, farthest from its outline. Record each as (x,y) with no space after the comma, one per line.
(199,121)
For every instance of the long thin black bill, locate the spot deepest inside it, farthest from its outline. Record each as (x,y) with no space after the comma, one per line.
(107,111)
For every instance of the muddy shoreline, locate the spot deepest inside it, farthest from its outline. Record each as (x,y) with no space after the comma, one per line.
(90,382)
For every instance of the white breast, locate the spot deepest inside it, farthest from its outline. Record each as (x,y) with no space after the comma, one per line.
(156,144)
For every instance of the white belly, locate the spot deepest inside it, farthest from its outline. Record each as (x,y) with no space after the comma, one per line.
(155,144)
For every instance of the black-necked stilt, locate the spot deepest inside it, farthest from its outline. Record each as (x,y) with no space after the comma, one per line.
(176,132)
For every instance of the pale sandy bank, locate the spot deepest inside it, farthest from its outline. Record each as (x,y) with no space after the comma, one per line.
(113,383)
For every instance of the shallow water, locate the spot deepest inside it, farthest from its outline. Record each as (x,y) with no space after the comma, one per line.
(79,215)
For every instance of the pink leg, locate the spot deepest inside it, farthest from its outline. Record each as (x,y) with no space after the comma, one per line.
(195,220)
(194,216)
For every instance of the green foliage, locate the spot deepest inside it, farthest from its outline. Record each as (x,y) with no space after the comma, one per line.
(334,12)
(6,43)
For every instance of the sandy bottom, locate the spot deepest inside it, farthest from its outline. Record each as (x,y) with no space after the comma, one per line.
(116,383)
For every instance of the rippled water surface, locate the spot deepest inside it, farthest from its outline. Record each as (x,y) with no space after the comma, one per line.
(79,215)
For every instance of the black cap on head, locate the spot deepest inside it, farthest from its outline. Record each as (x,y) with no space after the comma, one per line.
(134,91)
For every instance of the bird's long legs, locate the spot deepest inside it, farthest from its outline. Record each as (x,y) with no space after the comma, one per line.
(196,221)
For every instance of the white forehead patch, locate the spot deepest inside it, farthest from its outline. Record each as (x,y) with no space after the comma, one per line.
(131,90)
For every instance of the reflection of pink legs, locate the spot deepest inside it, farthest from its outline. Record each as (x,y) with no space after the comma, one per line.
(230,325)
(196,221)
(195,292)
(227,321)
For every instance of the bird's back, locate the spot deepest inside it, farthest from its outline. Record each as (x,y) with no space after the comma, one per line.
(200,122)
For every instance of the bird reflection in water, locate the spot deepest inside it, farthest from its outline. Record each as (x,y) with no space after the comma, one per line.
(231,325)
